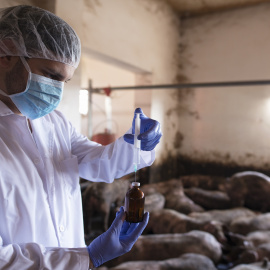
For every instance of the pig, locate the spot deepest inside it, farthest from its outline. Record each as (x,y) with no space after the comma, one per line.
(166,246)
(188,261)
(224,216)
(170,221)
(262,265)
(250,189)
(155,201)
(245,225)
(209,199)
(259,237)
(174,195)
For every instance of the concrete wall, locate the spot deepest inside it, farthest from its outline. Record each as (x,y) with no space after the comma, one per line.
(226,125)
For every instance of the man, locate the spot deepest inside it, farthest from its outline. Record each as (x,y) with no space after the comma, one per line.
(42,155)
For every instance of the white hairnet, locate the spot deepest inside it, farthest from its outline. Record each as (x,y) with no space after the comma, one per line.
(36,33)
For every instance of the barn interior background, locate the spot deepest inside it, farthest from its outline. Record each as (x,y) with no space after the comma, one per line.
(208,188)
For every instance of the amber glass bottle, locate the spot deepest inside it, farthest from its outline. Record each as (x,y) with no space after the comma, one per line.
(134,204)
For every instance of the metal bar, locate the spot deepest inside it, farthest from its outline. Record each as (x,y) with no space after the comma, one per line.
(188,85)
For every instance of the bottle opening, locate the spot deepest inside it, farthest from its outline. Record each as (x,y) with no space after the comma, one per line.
(136,184)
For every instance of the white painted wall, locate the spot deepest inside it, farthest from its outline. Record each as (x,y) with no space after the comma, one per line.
(71,11)
(141,36)
(227,124)
(105,75)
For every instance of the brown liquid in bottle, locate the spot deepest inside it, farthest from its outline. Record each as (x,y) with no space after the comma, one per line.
(134,204)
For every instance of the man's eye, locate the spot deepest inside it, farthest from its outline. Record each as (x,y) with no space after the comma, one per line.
(53,77)
(48,75)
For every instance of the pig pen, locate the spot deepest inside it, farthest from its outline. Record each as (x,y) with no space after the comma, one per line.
(197,222)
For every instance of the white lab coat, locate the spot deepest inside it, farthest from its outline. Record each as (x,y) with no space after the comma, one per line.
(41,224)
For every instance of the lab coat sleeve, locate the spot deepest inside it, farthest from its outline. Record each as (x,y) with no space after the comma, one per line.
(32,256)
(105,163)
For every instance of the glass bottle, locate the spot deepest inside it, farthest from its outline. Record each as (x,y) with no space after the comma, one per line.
(134,204)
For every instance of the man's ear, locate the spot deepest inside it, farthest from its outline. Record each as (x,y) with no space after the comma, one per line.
(7,62)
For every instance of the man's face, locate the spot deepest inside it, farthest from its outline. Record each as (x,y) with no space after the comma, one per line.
(16,78)
(51,69)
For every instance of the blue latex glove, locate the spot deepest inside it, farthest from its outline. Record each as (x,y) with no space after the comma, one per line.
(150,132)
(117,240)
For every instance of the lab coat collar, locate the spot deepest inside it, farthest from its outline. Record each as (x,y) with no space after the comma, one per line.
(4,109)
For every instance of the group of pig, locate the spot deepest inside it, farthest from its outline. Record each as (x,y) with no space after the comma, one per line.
(197,222)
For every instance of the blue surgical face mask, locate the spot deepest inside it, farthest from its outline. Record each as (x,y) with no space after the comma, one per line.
(41,96)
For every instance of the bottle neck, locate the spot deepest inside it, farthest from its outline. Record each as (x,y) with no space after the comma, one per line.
(136,184)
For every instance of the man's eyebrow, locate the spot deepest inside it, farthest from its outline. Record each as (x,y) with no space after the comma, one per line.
(59,76)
